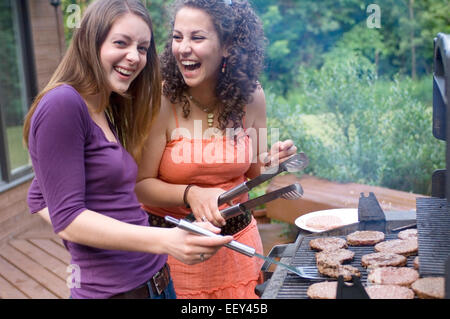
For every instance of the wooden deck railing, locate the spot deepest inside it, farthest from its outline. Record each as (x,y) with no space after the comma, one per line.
(320,194)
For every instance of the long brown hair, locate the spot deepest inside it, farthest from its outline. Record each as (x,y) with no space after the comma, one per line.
(241,30)
(131,113)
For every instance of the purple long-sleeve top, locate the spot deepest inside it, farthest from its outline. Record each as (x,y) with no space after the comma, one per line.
(77,169)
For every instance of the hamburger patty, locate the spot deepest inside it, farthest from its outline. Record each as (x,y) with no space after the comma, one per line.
(389,292)
(402,276)
(322,290)
(334,271)
(405,247)
(408,234)
(416,263)
(429,287)
(383,260)
(333,257)
(365,238)
(329,263)
(328,243)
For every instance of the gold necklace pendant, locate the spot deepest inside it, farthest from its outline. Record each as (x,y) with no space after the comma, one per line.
(209,112)
(210,117)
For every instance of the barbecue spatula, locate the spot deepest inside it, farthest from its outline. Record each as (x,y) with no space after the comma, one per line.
(234,245)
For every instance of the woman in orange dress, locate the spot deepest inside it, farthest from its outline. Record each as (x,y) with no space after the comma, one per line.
(210,136)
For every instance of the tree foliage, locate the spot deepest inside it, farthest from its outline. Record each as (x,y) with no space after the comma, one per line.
(356,98)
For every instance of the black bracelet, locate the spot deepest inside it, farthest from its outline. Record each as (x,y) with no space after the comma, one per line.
(185,195)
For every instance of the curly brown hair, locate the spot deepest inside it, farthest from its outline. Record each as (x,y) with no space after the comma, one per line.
(238,27)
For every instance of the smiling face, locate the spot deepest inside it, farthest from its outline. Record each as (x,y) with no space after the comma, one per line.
(123,54)
(196,47)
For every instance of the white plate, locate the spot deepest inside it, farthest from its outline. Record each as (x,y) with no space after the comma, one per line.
(339,217)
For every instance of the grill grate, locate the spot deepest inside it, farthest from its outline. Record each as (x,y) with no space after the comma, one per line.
(295,287)
(433,225)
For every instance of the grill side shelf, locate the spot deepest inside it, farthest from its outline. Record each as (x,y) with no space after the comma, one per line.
(433,226)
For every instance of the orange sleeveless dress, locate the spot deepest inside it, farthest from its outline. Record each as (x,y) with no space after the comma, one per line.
(216,162)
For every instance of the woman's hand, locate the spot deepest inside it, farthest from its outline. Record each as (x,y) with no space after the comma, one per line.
(279,152)
(191,248)
(203,202)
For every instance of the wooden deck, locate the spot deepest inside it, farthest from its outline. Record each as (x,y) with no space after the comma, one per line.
(33,266)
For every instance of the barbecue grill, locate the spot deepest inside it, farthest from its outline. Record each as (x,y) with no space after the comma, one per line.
(432,215)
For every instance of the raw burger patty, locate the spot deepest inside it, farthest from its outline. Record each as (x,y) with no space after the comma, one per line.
(429,288)
(364,238)
(324,222)
(328,243)
(402,276)
(405,247)
(383,260)
(322,290)
(389,292)
(408,234)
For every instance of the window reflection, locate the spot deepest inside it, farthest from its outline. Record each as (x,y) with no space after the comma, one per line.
(12,86)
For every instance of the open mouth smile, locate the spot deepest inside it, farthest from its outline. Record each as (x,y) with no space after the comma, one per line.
(190,65)
(122,71)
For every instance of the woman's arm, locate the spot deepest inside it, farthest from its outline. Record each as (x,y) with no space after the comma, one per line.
(96,230)
(150,190)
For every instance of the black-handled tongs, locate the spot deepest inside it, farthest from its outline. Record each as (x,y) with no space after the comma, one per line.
(293,191)
(293,164)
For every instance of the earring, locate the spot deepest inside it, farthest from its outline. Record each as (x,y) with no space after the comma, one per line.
(224,65)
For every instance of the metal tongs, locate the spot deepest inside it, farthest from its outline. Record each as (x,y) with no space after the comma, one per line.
(293,191)
(293,164)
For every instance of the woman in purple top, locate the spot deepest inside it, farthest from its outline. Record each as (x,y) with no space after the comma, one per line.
(85,133)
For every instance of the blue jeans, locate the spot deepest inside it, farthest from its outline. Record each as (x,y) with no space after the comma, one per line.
(168,293)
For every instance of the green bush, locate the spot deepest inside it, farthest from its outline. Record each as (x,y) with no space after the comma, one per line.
(356,127)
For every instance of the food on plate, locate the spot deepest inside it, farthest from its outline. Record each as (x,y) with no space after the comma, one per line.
(333,257)
(322,290)
(383,259)
(402,276)
(328,243)
(389,292)
(408,234)
(405,247)
(334,271)
(324,222)
(429,287)
(365,238)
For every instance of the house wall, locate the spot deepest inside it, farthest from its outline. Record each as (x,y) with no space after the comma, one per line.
(14,213)
(46,39)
